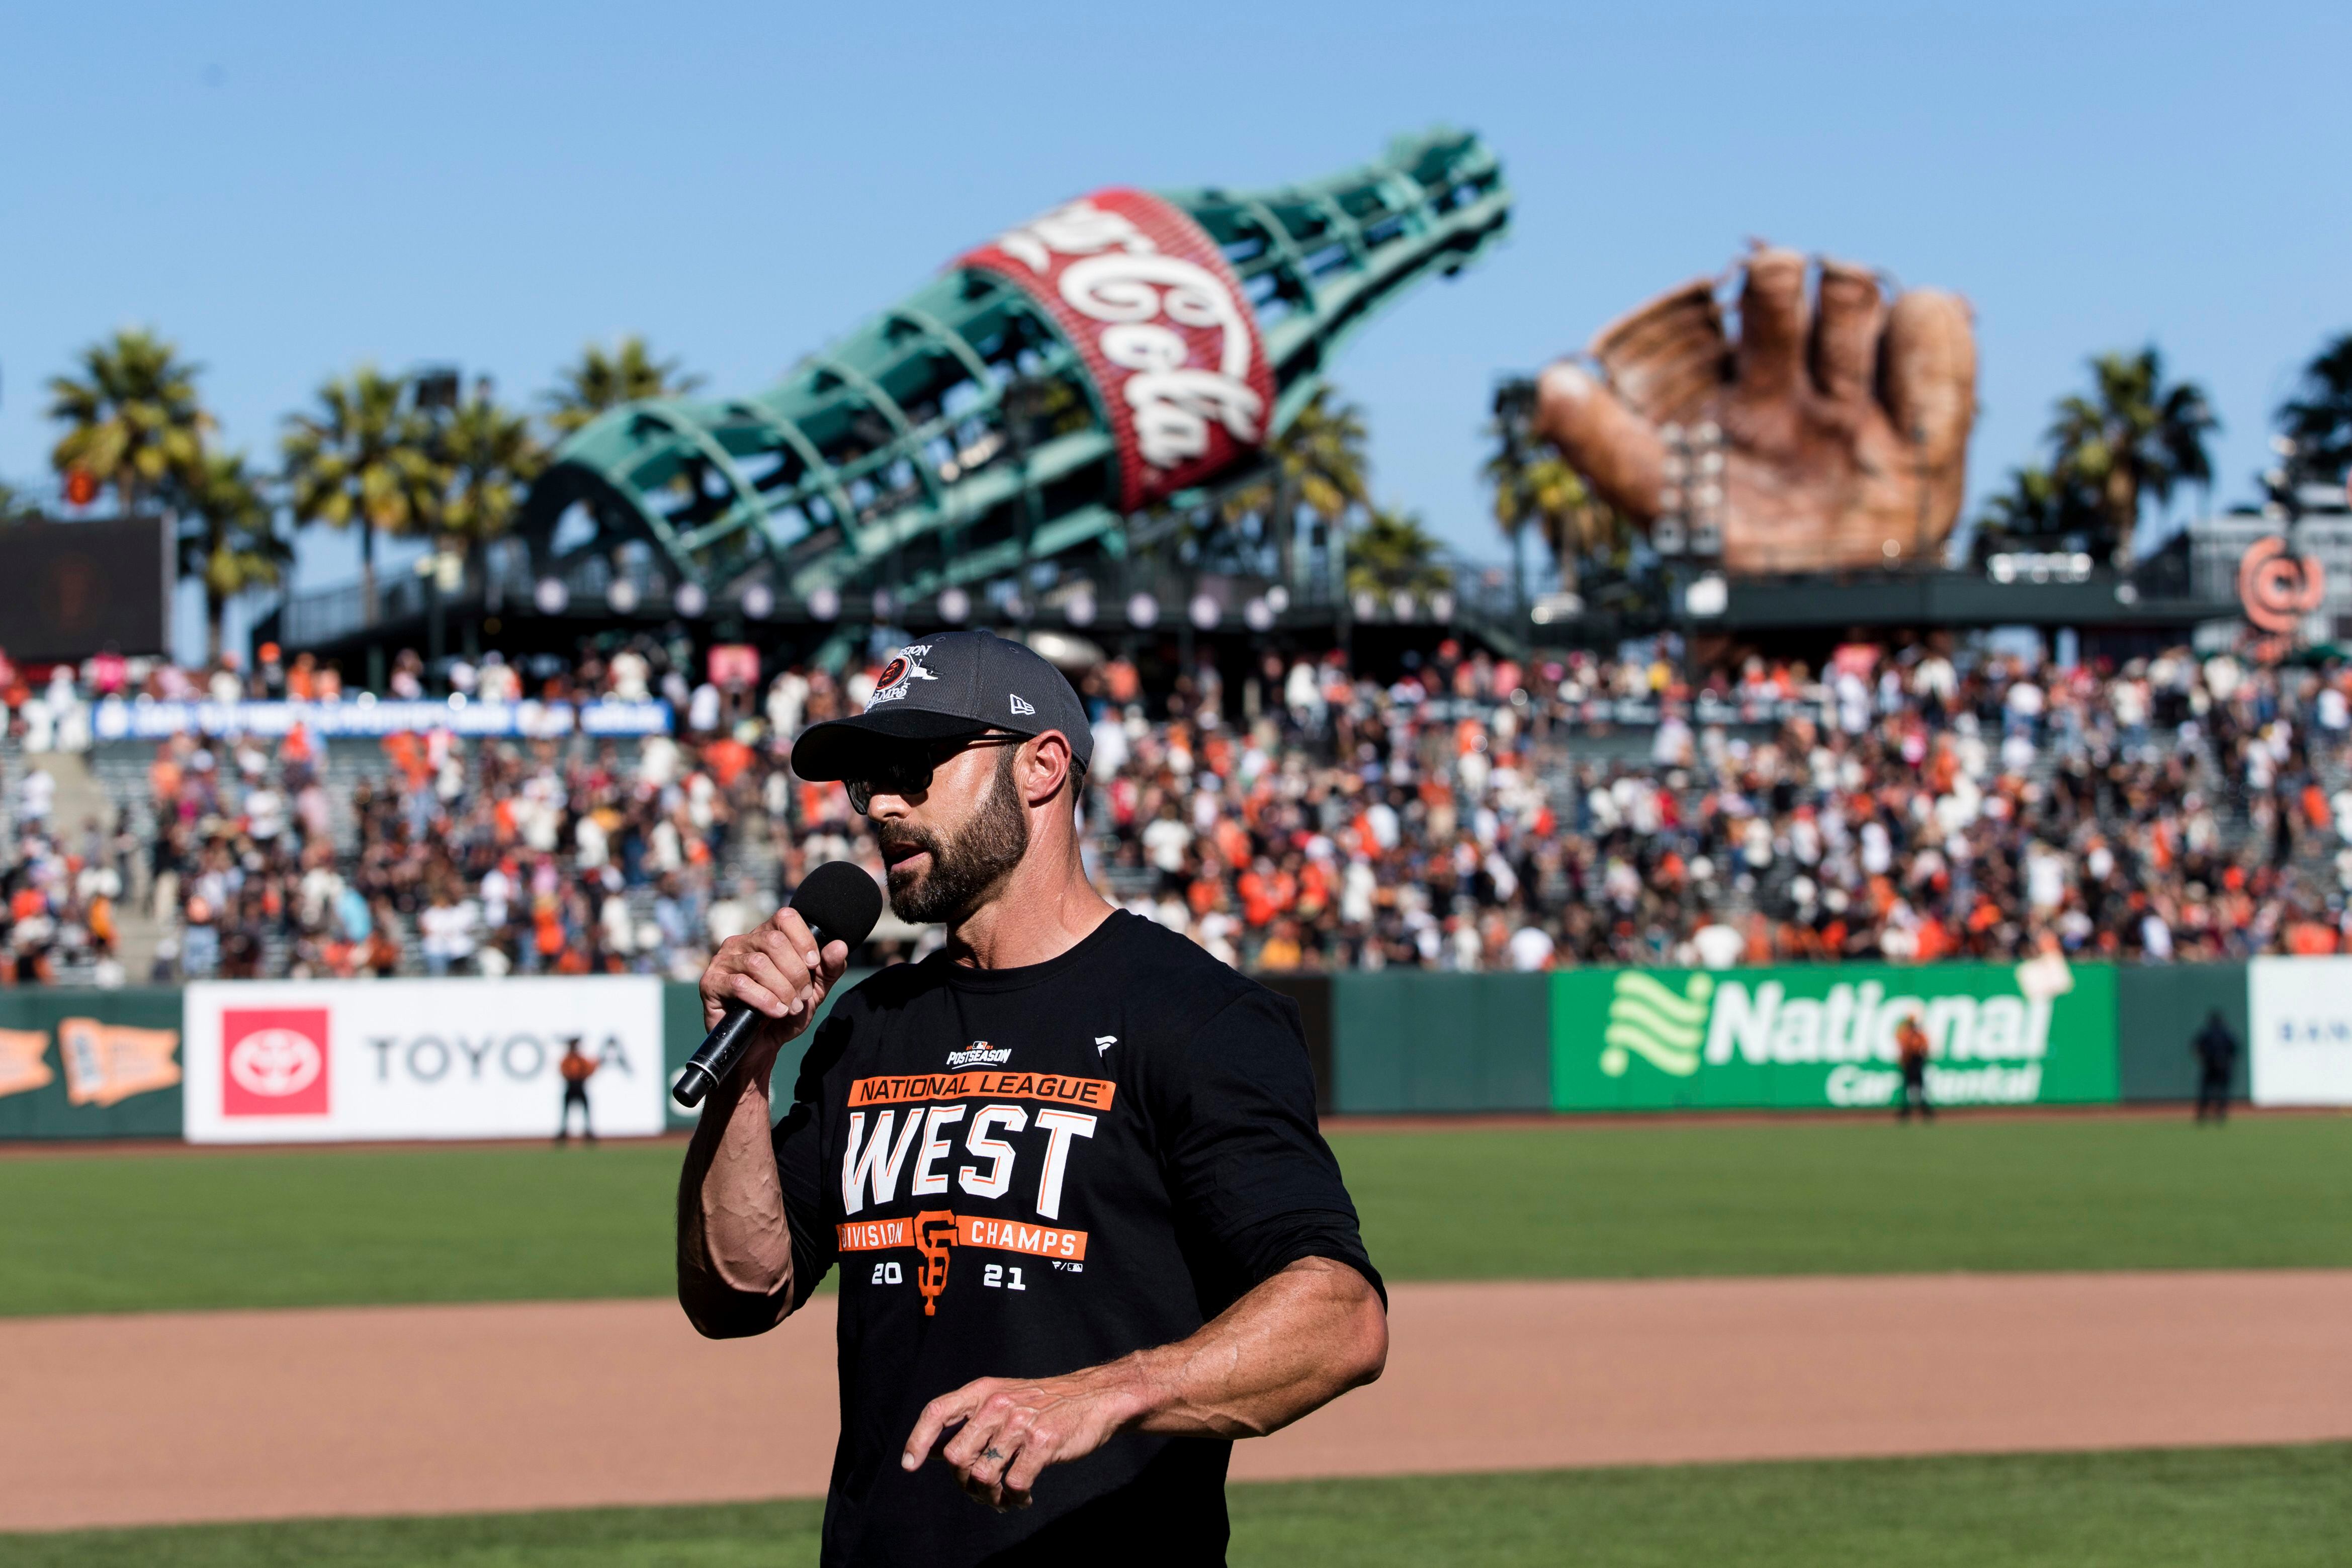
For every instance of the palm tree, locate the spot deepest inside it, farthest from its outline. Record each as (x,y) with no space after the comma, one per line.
(234,546)
(490,457)
(601,381)
(2318,417)
(2135,437)
(16,505)
(1535,488)
(1317,462)
(2041,509)
(1393,550)
(361,459)
(132,416)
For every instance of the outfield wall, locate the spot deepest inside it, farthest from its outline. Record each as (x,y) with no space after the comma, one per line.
(2300,1021)
(1822,1037)
(285,1061)
(2159,1008)
(90,1064)
(1408,1040)
(325,1061)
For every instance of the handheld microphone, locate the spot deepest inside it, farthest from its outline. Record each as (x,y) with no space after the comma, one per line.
(840,903)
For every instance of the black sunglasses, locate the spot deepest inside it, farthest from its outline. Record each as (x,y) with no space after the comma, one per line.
(906,769)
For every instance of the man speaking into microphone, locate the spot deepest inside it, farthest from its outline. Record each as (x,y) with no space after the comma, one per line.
(1068,1166)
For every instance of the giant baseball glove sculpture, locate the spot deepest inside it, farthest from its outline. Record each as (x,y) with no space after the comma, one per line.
(1841,423)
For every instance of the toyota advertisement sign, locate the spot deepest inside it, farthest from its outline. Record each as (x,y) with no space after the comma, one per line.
(326,1060)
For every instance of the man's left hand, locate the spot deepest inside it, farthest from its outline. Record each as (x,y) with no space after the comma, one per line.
(1010,1429)
(1294,1342)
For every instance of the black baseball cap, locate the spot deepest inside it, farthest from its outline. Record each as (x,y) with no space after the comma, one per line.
(955,685)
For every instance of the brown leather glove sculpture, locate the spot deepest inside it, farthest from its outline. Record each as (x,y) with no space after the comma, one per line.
(1843,426)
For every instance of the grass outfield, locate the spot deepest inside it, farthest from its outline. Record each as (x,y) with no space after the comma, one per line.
(2250,1507)
(138,1232)
(1855,1198)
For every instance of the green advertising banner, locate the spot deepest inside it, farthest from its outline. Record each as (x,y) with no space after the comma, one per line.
(2041,1033)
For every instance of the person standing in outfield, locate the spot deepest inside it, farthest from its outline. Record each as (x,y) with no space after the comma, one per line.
(577,1069)
(1911,1050)
(2217,1052)
(1068,1166)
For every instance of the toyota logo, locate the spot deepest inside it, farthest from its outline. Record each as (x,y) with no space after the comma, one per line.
(276,1063)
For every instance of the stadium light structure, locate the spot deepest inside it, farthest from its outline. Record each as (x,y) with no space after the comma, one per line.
(1120,351)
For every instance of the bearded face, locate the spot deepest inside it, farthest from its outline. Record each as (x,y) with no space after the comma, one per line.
(958,871)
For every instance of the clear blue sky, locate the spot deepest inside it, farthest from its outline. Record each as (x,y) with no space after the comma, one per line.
(288,191)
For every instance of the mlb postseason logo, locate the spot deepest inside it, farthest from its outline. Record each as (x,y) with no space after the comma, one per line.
(980,1055)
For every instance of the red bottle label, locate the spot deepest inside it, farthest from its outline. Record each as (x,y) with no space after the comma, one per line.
(1149,302)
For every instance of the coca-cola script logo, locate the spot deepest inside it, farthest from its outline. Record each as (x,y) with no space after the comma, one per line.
(1159,318)
(274,1061)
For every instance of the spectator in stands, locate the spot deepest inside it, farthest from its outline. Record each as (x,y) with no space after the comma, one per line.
(445,929)
(1907,803)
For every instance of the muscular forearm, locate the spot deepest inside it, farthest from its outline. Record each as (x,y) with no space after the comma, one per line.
(1290,1347)
(1298,1341)
(734,1245)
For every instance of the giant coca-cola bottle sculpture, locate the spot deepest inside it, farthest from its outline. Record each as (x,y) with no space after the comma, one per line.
(1112,352)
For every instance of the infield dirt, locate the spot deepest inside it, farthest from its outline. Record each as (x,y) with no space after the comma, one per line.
(215,1415)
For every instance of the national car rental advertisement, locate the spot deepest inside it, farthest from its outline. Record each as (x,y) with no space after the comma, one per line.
(333,1060)
(2039,1033)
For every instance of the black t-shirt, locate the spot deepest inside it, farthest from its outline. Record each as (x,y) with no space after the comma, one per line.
(1026,1172)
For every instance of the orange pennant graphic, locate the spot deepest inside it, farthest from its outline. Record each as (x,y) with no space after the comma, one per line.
(22,1067)
(108,1063)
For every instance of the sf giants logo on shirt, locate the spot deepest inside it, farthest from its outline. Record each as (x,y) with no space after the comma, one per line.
(934,1231)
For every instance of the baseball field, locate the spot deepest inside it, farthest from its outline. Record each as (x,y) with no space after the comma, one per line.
(1992,1340)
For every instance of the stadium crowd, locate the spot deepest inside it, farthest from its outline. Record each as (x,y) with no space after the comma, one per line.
(1472,814)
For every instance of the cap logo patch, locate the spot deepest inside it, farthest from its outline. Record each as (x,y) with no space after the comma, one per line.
(1021,707)
(891,685)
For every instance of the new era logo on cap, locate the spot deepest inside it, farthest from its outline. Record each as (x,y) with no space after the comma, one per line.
(1021,707)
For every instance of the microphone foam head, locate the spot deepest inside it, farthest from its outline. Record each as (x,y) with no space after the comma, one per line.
(840,900)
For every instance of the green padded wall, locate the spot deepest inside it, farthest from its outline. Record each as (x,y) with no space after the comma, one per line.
(2160,1007)
(1407,1040)
(46,1112)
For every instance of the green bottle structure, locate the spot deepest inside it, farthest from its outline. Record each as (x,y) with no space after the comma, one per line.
(1122,350)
